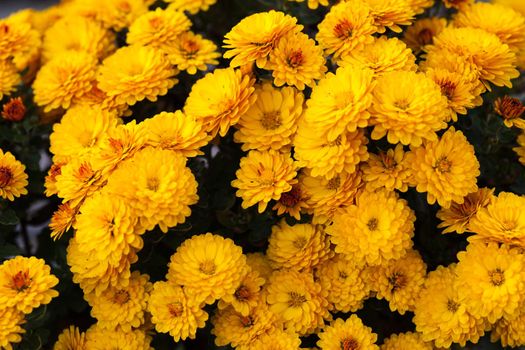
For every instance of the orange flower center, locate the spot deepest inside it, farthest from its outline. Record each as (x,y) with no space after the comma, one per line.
(124,6)
(153,184)
(295,59)
(397,281)
(425,36)
(190,48)
(443,165)
(343,275)
(300,242)
(448,88)
(155,22)
(344,29)
(85,173)
(207,267)
(388,161)
(349,344)
(246,321)
(402,104)
(334,183)
(6,175)
(372,224)
(242,293)
(296,299)
(14,110)
(271,120)
(21,281)
(291,198)
(121,297)
(176,309)
(452,306)
(497,277)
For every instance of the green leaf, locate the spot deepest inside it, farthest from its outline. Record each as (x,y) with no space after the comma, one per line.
(8,217)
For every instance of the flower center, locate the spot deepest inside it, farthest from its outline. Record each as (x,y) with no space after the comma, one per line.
(124,6)
(121,297)
(296,299)
(155,22)
(153,184)
(443,165)
(344,29)
(190,48)
(343,275)
(295,59)
(176,309)
(397,281)
(497,277)
(6,175)
(85,173)
(242,293)
(246,321)
(300,242)
(291,198)
(207,267)
(402,104)
(349,344)
(14,110)
(21,281)
(4,28)
(372,224)
(452,306)
(334,183)
(448,88)
(271,120)
(389,162)
(425,36)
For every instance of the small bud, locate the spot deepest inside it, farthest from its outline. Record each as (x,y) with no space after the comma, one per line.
(14,110)
(511,109)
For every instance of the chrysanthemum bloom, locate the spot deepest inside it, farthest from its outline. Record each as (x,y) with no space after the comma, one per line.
(343,283)
(501,221)
(275,340)
(391,14)
(457,218)
(208,266)
(175,312)
(19,43)
(192,6)
(297,61)
(340,101)
(325,197)
(62,220)
(494,60)
(159,29)
(259,263)
(382,56)
(422,32)
(329,158)
(264,176)
(292,202)
(520,150)
(118,14)
(9,78)
(106,228)
(446,168)
(71,338)
(406,341)
(246,296)
(348,26)
(13,179)
(191,52)
(161,192)
(510,332)
(77,181)
(387,169)
(373,234)
(349,334)
(98,338)
(64,80)
(511,109)
(26,283)
(14,110)
(298,300)
(79,132)
(490,280)
(175,131)
(76,33)
(231,327)
(314,4)
(457,4)
(408,107)
(135,73)
(298,247)
(11,330)
(441,315)
(400,281)
(271,122)
(220,98)
(255,36)
(506,23)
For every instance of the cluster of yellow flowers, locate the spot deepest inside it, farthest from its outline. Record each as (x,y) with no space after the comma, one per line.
(307,157)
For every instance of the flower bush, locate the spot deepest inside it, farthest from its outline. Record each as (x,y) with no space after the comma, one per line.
(274,175)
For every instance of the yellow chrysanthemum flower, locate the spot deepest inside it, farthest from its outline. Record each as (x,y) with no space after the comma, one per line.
(297,61)
(159,29)
(340,102)
(64,80)
(62,220)
(264,176)
(490,280)
(231,327)
(441,315)
(348,26)
(511,332)
(387,169)
(382,56)
(173,311)
(314,4)
(13,178)
(220,98)
(275,340)
(422,33)
(520,150)
(135,73)
(506,23)
(271,122)
(77,181)
(98,338)
(349,334)
(177,132)
(255,36)
(71,338)
(79,133)
(191,52)
(298,247)
(292,202)
(297,300)
(400,281)
(247,296)
(510,109)
(446,168)
(501,221)
(192,6)
(26,283)
(9,78)
(20,43)
(344,284)
(391,14)
(406,341)
(259,263)
(373,234)
(408,107)
(208,266)
(457,218)
(124,307)
(494,60)
(329,158)
(11,330)
(76,33)
(117,14)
